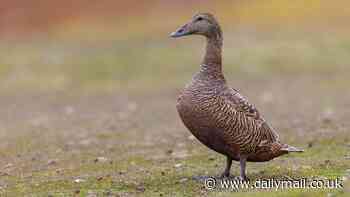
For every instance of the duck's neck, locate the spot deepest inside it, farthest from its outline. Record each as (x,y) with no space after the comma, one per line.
(212,59)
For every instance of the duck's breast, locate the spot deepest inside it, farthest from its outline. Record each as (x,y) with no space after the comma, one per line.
(191,107)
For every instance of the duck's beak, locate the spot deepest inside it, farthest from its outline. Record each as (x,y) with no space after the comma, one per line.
(182,31)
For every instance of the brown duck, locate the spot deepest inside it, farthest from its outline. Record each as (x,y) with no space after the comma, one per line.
(219,116)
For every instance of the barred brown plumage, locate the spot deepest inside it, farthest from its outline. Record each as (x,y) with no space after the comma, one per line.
(219,116)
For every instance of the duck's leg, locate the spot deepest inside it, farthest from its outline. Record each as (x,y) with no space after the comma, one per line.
(242,162)
(226,173)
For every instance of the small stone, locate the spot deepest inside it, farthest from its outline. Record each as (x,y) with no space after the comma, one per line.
(100,178)
(183,180)
(101,159)
(140,188)
(191,137)
(211,158)
(178,165)
(79,180)
(91,194)
(59,171)
(77,191)
(52,162)
(162,173)
(169,152)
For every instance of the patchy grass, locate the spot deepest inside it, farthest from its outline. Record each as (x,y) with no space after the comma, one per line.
(170,176)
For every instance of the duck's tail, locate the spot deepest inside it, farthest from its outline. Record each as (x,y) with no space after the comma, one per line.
(290,149)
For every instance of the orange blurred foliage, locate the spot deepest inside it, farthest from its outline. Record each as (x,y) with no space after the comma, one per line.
(26,18)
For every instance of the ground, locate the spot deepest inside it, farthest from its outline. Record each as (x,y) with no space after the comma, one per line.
(91,119)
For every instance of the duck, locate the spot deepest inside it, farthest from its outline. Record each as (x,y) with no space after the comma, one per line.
(219,116)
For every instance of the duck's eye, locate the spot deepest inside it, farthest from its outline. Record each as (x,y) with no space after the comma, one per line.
(199,18)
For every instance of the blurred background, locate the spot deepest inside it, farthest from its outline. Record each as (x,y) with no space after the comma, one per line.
(85,82)
(67,44)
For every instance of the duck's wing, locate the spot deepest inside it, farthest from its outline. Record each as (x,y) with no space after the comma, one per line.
(249,115)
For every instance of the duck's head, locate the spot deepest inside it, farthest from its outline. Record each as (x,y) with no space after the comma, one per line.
(203,24)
